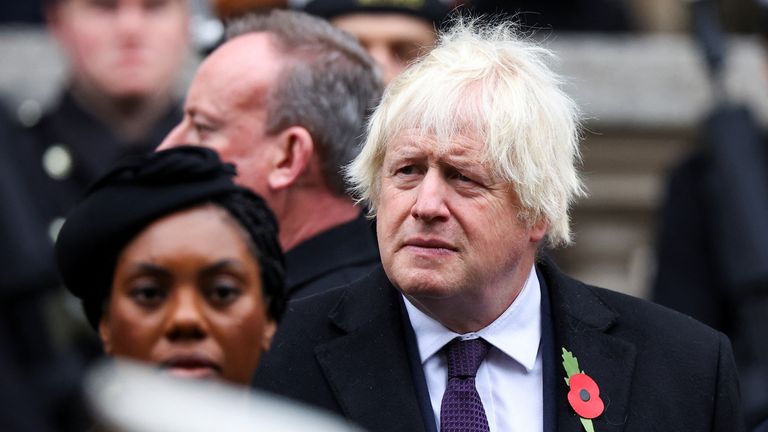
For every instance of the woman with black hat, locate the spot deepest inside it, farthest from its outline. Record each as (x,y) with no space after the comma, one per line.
(176,265)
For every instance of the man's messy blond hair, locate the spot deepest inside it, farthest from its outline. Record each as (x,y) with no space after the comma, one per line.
(489,82)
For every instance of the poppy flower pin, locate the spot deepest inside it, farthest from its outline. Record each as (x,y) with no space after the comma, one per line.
(584,395)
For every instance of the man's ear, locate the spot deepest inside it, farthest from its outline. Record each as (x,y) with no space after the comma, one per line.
(293,152)
(539,230)
(105,334)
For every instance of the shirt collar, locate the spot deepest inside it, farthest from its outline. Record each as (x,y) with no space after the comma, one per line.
(516,332)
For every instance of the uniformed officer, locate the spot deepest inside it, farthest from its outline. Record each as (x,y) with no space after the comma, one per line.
(394,33)
(124,58)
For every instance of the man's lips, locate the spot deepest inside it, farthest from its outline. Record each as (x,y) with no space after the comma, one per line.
(191,366)
(429,245)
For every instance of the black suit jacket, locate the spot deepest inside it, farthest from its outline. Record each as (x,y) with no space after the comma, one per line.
(347,351)
(336,257)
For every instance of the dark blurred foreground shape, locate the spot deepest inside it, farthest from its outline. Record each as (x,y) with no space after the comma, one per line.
(713,239)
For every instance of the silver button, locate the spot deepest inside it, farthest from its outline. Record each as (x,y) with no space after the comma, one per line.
(29,112)
(54,227)
(57,162)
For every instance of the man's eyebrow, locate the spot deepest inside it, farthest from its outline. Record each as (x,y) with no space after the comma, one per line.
(406,154)
(209,116)
(192,110)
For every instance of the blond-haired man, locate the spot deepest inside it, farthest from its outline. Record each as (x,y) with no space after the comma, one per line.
(470,167)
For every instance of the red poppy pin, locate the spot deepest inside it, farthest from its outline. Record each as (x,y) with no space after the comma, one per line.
(584,395)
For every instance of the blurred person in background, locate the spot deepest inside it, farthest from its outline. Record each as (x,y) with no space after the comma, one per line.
(712,237)
(395,33)
(124,59)
(176,265)
(285,99)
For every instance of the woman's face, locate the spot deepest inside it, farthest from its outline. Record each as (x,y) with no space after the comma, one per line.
(187,295)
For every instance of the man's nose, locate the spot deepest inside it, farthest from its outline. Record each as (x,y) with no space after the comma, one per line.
(186,317)
(386,60)
(430,204)
(130,18)
(178,135)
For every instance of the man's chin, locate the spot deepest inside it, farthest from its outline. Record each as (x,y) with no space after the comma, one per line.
(426,288)
(132,91)
(422,278)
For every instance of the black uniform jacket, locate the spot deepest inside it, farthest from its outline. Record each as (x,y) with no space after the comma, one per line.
(351,351)
(54,163)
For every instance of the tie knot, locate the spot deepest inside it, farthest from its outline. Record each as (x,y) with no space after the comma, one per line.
(464,356)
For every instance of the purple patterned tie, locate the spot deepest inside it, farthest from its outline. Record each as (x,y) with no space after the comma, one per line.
(462,410)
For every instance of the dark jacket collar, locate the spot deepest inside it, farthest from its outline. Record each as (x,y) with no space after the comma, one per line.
(345,245)
(368,366)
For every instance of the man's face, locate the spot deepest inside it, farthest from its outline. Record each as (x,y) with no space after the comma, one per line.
(448,228)
(122,48)
(393,40)
(225,108)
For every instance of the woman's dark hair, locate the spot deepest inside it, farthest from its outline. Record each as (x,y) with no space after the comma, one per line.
(142,189)
(259,222)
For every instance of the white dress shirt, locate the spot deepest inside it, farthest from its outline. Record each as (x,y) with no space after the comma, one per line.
(509,380)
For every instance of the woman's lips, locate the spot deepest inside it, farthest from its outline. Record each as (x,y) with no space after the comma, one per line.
(191,366)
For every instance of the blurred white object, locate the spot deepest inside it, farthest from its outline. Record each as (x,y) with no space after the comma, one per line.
(130,397)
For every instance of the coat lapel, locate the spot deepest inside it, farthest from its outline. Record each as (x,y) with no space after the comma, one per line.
(367,367)
(368,370)
(583,324)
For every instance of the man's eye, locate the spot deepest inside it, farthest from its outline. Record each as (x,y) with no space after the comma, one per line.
(202,132)
(202,128)
(458,176)
(406,170)
(462,178)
